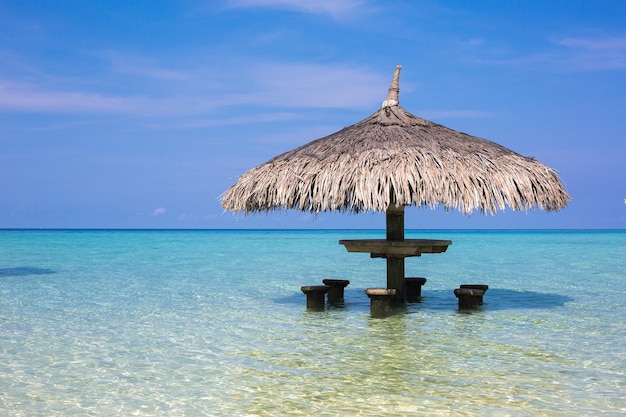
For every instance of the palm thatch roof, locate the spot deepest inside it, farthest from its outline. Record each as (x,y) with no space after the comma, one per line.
(394,158)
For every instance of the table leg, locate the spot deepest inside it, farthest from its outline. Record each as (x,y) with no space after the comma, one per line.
(395,278)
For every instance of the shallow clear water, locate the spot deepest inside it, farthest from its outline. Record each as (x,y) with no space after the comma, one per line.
(213,323)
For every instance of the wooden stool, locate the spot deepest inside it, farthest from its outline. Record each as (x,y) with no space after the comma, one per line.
(315,296)
(476,287)
(468,298)
(413,288)
(380,300)
(335,294)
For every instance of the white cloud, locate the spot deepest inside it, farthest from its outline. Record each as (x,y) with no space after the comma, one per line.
(159,212)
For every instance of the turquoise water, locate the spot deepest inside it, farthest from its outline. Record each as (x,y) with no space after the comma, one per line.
(213,323)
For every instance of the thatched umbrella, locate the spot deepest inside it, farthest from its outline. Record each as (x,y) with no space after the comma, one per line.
(394,159)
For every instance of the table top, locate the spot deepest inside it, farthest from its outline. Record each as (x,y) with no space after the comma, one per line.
(383,248)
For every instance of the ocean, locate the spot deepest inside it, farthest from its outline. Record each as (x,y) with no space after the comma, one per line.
(213,323)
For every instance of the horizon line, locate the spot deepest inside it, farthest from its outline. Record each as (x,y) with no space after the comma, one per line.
(306,229)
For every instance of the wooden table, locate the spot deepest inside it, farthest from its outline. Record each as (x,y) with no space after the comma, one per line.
(384,248)
(395,250)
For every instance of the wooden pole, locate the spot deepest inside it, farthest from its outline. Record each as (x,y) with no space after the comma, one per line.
(395,266)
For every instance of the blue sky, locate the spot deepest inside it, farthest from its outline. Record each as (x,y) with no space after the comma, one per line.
(117,114)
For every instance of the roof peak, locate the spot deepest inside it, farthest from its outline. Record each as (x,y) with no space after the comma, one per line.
(394,90)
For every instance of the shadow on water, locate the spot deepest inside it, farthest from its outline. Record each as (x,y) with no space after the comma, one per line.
(495,299)
(504,299)
(24,271)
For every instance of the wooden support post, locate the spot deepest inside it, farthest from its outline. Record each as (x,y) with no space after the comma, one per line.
(315,296)
(395,223)
(395,266)
(395,278)
(483,287)
(335,294)
(413,288)
(469,298)
(380,300)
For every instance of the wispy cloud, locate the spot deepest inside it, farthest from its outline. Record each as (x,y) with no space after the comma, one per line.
(159,212)
(254,118)
(563,54)
(310,85)
(142,66)
(18,96)
(593,53)
(335,8)
(277,85)
(455,114)
(598,44)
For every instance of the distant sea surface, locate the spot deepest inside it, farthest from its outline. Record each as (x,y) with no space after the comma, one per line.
(213,323)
